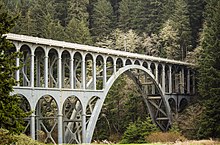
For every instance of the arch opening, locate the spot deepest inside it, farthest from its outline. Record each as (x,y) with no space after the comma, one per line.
(25,106)
(72,120)
(25,71)
(39,63)
(46,120)
(53,68)
(65,57)
(154,101)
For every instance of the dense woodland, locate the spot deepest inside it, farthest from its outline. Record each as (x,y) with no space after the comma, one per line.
(186,30)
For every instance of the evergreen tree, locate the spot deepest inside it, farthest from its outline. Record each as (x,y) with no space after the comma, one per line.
(61,11)
(78,32)
(176,32)
(196,10)
(11,115)
(78,10)
(209,72)
(141,15)
(42,13)
(102,19)
(181,24)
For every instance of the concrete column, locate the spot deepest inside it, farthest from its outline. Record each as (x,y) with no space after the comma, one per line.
(170,79)
(63,72)
(46,71)
(94,73)
(114,65)
(83,73)
(156,72)
(60,128)
(83,126)
(71,71)
(188,81)
(104,72)
(17,73)
(148,66)
(163,78)
(32,70)
(182,81)
(59,70)
(194,83)
(123,61)
(32,126)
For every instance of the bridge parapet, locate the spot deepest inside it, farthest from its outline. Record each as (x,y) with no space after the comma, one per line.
(60,73)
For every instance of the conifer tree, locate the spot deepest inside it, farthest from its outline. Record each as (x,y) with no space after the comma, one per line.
(209,72)
(77,31)
(102,19)
(11,115)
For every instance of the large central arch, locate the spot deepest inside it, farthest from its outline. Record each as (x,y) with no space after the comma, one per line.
(156,103)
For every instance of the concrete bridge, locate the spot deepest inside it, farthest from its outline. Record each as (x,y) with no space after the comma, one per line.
(65,85)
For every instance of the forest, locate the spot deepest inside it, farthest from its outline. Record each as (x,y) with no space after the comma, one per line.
(185,30)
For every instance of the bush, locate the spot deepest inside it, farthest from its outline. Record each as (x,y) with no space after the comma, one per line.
(164,137)
(7,138)
(137,131)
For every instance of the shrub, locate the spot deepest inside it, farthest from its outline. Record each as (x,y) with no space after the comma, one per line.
(7,138)
(137,131)
(164,137)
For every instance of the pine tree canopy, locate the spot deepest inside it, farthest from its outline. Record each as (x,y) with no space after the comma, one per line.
(11,115)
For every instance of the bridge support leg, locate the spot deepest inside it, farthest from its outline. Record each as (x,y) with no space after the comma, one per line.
(32,126)
(83,126)
(60,129)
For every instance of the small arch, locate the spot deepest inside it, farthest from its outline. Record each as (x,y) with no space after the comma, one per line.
(119,64)
(89,70)
(182,105)
(46,119)
(99,72)
(77,70)
(137,62)
(145,65)
(39,63)
(109,67)
(153,68)
(25,71)
(167,78)
(128,62)
(172,104)
(72,120)
(53,68)
(65,57)
(160,71)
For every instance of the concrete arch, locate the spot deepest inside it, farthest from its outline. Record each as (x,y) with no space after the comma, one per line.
(113,78)
(129,67)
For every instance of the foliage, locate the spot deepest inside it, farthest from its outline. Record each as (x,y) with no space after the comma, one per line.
(8,139)
(137,131)
(188,120)
(209,72)
(165,137)
(102,19)
(119,40)
(11,115)
(78,32)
